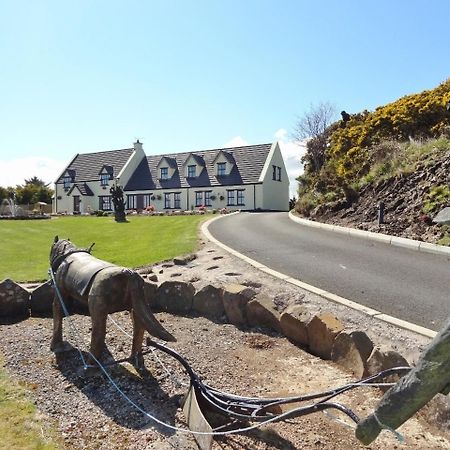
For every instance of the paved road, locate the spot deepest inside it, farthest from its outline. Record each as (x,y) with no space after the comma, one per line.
(406,284)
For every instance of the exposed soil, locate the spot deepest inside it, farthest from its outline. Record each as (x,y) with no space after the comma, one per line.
(90,414)
(403,197)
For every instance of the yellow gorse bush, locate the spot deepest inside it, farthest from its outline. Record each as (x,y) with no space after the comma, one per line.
(420,115)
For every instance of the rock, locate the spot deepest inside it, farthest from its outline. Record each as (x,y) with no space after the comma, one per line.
(322,330)
(235,299)
(183,260)
(208,302)
(294,322)
(380,360)
(150,293)
(443,216)
(14,299)
(351,351)
(42,299)
(261,312)
(175,297)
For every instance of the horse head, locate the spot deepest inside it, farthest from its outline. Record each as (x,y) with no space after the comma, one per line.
(60,247)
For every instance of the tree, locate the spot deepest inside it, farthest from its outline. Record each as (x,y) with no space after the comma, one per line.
(6,192)
(314,127)
(34,190)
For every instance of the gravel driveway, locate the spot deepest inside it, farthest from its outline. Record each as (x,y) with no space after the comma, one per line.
(89,413)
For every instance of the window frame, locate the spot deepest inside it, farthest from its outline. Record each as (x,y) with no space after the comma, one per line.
(199,198)
(278,173)
(131,201)
(207,197)
(146,200)
(104,179)
(231,196)
(177,200)
(105,200)
(67,181)
(191,171)
(221,169)
(167,200)
(164,173)
(240,197)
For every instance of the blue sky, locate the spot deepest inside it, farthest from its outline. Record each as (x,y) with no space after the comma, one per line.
(183,75)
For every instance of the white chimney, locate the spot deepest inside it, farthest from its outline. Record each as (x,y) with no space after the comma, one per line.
(138,146)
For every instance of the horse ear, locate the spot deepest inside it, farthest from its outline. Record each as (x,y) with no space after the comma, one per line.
(56,239)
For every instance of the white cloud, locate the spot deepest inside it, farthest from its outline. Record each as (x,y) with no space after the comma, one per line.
(281,134)
(236,142)
(292,153)
(15,171)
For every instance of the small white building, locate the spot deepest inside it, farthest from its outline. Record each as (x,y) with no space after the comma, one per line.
(253,177)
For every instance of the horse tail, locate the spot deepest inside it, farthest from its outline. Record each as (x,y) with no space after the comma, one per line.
(142,311)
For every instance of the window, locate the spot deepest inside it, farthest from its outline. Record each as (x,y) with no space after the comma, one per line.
(131,201)
(167,201)
(240,197)
(146,200)
(221,168)
(176,200)
(172,198)
(276,173)
(67,180)
(164,173)
(198,198)
(105,203)
(191,171)
(104,179)
(230,198)
(207,198)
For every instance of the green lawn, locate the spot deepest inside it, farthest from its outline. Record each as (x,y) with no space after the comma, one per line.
(25,244)
(20,428)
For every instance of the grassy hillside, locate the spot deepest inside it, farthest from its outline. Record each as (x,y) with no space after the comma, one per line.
(398,141)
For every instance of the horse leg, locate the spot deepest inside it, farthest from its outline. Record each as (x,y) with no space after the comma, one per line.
(98,319)
(136,349)
(57,345)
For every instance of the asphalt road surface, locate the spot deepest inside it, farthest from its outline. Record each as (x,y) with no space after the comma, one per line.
(406,284)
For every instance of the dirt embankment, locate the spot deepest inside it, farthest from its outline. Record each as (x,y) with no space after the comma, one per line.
(403,197)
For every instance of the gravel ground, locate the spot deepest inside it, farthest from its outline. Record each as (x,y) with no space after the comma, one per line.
(90,414)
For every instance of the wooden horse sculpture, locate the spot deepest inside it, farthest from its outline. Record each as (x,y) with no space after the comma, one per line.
(104,288)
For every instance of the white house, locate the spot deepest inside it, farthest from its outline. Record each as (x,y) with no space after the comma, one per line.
(248,178)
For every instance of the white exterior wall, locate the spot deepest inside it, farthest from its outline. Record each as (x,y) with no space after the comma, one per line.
(65,204)
(252,197)
(275,193)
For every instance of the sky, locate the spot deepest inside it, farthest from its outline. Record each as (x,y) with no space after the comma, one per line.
(94,75)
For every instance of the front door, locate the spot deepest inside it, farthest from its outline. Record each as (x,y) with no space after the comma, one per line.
(76,203)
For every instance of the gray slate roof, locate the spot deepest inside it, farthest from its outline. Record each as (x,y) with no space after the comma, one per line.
(87,166)
(83,188)
(249,162)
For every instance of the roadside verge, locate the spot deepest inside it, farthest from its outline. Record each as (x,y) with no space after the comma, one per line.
(420,246)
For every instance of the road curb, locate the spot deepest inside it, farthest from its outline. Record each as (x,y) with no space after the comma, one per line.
(318,291)
(425,247)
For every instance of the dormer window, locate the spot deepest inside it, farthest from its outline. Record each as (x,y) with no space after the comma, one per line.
(221,168)
(104,179)
(164,173)
(191,172)
(67,180)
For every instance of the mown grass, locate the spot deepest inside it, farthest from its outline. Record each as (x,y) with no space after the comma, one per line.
(25,245)
(20,428)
